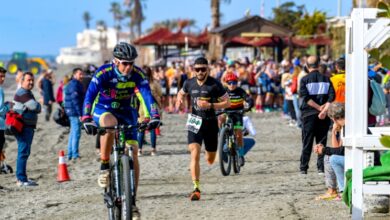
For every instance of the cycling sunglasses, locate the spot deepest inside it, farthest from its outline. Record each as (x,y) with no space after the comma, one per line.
(126,63)
(232,83)
(200,69)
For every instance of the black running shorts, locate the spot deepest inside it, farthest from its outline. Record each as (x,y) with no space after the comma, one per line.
(208,133)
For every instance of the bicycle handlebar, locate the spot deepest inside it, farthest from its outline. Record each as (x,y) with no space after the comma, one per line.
(242,111)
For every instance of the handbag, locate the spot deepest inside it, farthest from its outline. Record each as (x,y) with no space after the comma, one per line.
(13,123)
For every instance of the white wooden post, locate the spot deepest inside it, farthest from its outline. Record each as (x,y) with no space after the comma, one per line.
(363,32)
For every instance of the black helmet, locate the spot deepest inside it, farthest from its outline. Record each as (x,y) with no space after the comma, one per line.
(125,51)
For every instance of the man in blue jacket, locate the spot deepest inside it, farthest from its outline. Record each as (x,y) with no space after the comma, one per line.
(74,98)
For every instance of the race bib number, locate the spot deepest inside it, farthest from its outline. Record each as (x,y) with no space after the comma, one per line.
(193,123)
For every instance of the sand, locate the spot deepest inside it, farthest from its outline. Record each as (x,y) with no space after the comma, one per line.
(268,187)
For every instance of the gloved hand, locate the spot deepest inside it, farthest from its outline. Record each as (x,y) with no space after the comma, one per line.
(154,123)
(89,125)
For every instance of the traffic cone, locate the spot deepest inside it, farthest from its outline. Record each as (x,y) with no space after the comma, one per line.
(62,168)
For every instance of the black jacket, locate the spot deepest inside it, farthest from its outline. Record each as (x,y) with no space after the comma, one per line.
(316,87)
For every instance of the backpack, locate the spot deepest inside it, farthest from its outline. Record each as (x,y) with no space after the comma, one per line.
(13,123)
(378,102)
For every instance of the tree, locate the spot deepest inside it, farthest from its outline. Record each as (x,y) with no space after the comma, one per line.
(311,24)
(136,16)
(117,15)
(382,54)
(215,12)
(369,3)
(174,24)
(87,18)
(288,14)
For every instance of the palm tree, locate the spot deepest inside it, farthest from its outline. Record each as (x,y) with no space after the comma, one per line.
(215,12)
(117,14)
(136,16)
(87,18)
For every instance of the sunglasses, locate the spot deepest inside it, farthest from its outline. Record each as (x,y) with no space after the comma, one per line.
(125,63)
(200,69)
(232,83)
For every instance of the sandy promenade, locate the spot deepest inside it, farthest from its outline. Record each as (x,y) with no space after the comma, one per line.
(268,187)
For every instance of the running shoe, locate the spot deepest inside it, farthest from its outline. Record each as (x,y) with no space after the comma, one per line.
(136,213)
(104,178)
(195,195)
(27,183)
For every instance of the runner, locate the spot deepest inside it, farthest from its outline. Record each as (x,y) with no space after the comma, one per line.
(110,100)
(207,95)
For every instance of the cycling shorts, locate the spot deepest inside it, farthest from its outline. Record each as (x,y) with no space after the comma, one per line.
(238,122)
(208,133)
(122,118)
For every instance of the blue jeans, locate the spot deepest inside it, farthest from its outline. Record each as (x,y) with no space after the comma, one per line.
(74,137)
(337,163)
(297,109)
(141,136)
(24,140)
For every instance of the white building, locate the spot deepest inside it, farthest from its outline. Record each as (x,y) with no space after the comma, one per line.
(93,46)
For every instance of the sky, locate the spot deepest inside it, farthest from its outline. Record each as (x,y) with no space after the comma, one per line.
(43,27)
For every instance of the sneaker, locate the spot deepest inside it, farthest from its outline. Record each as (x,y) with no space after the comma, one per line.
(303,172)
(136,213)
(139,153)
(195,195)
(153,153)
(241,161)
(104,178)
(27,183)
(321,173)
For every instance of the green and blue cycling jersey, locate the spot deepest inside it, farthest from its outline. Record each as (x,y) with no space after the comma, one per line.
(110,91)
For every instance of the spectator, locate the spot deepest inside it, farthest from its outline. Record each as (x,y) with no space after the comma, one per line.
(336,153)
(4,107)
(338,81)
(18,78)
(155,88)
(26,105)
(60,90)
(317,93)
(48,93)
(74,98)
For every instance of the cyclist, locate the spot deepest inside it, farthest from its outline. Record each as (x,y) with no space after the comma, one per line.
(238,98)
(207,95)
(110,100)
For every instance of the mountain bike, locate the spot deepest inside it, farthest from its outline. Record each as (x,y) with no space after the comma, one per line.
(120,195)
(227,145)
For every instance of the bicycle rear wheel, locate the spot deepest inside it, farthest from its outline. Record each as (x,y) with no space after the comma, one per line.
(127,197)
(224,154)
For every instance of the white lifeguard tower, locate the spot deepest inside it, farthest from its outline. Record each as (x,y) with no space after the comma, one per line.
(364,31)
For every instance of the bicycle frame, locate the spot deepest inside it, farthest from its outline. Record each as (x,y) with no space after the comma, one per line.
(115,197)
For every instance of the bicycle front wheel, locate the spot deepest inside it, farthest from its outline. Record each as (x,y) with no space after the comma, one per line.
(127,197)
(236,161)
(114,208)
(224,154)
